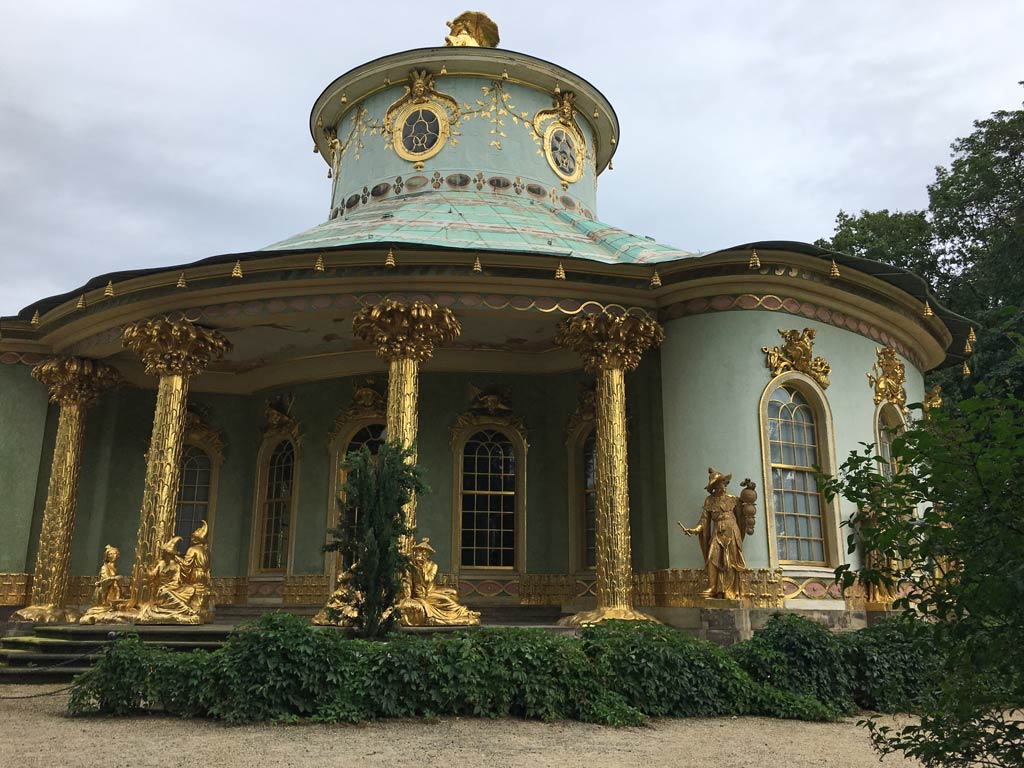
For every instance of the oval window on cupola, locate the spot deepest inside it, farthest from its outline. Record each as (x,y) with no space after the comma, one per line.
(420,131)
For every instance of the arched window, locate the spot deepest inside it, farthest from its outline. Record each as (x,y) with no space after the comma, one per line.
(194,493)
(589,501)
(372,437)
(888,425)
(277,508)
(793,447)
(489,501)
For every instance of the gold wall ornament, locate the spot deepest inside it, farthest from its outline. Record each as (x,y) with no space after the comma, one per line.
(318,265)
(966,369)
(472,29)
(968,349)
(563,143)
(180,587)
(389,259)
(74,384)
(724,522)
(81,303)
(796,354)
(932,398)
(199,432)
(488,407)
(420,122)
(279,421)
(833,270)
(478,268)
(367,403)
(428,604)
(405,336)
(174,350)
(585,413)
(886,377)
(611,344)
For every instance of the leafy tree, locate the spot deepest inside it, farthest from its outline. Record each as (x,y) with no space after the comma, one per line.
(376,488)
(969,245)
(949,529)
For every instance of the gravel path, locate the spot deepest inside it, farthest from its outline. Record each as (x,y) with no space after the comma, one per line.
(35,733)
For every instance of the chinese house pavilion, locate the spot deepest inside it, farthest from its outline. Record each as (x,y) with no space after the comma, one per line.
(462,296)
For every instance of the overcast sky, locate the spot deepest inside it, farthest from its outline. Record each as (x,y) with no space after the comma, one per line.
(136,134)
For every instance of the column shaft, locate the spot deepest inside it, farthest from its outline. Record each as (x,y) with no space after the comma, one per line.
(403,416)
(160,492)
(614,565)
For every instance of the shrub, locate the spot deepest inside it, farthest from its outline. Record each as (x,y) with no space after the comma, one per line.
(895,665)
(121,682)
(796,655)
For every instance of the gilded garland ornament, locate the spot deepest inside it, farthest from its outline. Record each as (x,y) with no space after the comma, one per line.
(886,378)
(420,122)
(606,340)
(797,354)
(406,331)
(174,347)
(563,143)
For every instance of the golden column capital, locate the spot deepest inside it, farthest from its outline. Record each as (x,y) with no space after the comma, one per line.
(75,380)
(406,331)
(174,347)
(610,339)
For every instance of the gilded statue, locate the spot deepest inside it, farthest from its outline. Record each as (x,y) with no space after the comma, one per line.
(886,378)
(340,609)
(181,586)
(427,604)
(797,354)
(932,398)
(106,596)
(472,29)
(725,521)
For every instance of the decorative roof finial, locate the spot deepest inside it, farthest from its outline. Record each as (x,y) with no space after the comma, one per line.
(833,271)
(755,260)
(35,318)
(559,272)
(236,271)
(108,292)
(182,282)
(389,260)
(477,266)
(318,265)
(472,29)
(927,310)
(655,279)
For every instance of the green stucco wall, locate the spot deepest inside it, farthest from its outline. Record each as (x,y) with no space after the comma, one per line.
(713,377)
(23,420)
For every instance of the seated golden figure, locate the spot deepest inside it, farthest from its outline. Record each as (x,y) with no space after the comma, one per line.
(429,605)
(724,522)
(106,596)
(339,610)
(181,585)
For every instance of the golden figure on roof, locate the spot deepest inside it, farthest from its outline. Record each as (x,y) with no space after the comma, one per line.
(472,29)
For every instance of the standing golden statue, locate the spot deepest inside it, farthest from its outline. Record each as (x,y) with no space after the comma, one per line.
(427,604)
(472,29)
(723,524)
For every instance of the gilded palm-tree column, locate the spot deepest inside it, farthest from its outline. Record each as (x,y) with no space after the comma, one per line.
(405,336)
(611,344)
(74,384)
(174,350)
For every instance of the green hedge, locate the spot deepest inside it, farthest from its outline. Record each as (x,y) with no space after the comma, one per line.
(279,668)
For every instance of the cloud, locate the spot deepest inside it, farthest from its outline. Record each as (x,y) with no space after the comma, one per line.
(137,135)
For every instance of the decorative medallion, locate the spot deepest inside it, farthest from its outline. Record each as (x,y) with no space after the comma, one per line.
(797,354)
(563,143)
(886,377)
(421,121)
